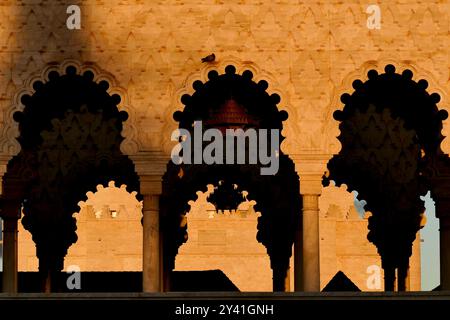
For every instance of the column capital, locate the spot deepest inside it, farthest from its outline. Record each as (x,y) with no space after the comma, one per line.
(151,185)
(149,163)
(4,159)
(311,184)
(150,166)
(310,163)
(10,209)
(440,186)
(310,168)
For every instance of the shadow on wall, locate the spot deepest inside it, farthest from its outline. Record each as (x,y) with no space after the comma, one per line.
(187,281)
(33,35)
(48,33)
(72,99)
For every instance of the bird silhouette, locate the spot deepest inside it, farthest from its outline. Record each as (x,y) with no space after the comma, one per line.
(209,58)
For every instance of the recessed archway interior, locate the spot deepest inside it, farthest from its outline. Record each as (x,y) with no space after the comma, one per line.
(225,240)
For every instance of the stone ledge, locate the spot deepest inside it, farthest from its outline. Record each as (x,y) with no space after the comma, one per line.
(178,296)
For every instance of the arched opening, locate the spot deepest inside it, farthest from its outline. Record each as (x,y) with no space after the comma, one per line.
(225,241)
(109,231)
(390,134)
(108,250)
(70,136)
(234,102)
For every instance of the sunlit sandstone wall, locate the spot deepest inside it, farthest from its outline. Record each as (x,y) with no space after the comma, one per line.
(109,234)
(226,241)
(309,52)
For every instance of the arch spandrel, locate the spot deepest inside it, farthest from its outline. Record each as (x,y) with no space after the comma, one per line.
(9,145)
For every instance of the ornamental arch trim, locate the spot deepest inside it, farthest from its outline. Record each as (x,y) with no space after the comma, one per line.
(9,146)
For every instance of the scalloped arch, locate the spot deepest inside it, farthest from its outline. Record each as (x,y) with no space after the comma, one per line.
(259,74)
(10,131)
(330,143)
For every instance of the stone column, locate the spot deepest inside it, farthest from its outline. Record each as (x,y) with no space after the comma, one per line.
(298,256)
(311,169)
(389,278)
(440,192)
(408,280)
(280,278)
(287,280)
(10,254)
(402,275)
(10,213)
(151,271)
(150,167)
(311,250)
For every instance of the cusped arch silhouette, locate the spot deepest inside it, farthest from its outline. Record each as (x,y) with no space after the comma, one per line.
(70,137)
(331,144)
(390,135)
(277,196)
(259,73)
(211,95)
(10,131)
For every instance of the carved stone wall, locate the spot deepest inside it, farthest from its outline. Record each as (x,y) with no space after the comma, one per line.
(308,52)
(149,51)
